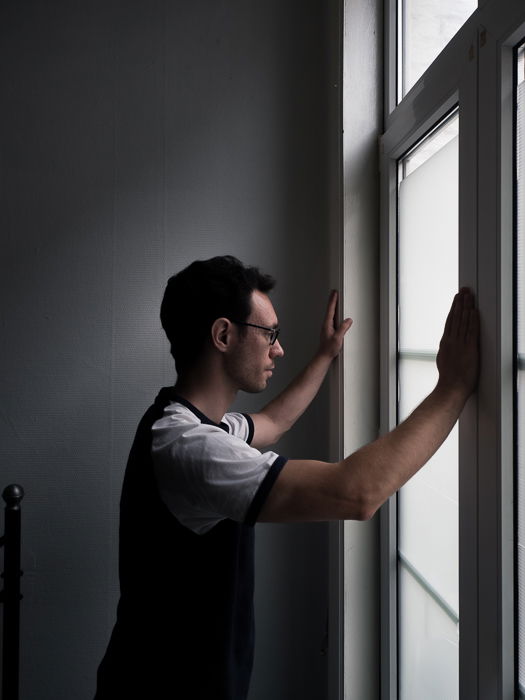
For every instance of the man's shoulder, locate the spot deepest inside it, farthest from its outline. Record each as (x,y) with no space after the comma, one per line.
(179,420)
(175,415)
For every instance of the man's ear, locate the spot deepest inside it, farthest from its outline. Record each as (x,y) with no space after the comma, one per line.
(221,334)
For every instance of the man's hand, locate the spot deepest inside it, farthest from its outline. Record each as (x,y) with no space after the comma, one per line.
(332,335)
(458,356)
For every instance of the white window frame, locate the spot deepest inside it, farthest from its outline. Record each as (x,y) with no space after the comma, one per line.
(353,649)
(473,71)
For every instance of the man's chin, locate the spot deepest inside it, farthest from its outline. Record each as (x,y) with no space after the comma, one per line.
(255,389)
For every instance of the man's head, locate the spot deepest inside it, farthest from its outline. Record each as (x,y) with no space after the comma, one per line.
(201,293)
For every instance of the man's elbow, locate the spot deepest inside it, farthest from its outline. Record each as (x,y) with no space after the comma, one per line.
(362,504)
(368,512)
(364,511)
(356,507)
(363,494)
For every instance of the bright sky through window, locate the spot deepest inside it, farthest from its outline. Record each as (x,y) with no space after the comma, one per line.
(426,27)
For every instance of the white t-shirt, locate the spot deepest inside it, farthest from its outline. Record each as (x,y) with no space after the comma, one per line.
(207,472)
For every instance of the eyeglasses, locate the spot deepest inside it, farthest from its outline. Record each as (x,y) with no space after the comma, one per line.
(273,332)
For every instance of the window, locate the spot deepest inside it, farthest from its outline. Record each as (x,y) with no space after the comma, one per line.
(425,28)
(451,540)
(427,546)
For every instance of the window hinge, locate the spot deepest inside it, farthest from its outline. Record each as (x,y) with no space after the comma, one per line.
(482,37)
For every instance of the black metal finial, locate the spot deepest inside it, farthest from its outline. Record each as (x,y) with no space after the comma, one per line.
(13,494)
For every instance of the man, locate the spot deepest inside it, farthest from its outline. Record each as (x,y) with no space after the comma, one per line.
(196,480)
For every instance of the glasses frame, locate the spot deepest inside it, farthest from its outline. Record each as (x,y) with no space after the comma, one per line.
(274,331)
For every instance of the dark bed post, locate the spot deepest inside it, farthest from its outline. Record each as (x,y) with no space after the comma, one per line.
(10,596)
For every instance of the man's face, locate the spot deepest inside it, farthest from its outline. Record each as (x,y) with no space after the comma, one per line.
(253,361)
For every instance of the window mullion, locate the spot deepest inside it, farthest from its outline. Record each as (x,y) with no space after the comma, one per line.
(468,276)
(496,610)
(388,419)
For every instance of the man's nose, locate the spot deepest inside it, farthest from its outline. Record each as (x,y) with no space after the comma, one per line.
(276,350)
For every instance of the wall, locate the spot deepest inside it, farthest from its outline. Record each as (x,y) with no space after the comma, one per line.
(137,137)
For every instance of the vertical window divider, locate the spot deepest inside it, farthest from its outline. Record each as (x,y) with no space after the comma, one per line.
(489,390)
(496,522)
(468,424)
(388,416)
(508,610)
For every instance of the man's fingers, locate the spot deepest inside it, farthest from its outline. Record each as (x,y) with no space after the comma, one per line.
(344,327)
(450,317)
(458,356)
(331,315)
(457,322)
(330,320)
(458,317)
(332,306)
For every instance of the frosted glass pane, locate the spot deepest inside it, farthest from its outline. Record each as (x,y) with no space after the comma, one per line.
(428,249)
(416,380)
(427,27)
(428,504)
(429,668)
(520,190)
(433,143)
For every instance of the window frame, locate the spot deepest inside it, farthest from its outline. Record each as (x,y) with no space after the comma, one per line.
(518,366)
(473,71)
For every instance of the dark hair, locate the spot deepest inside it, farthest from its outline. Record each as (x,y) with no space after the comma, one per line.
(201,293)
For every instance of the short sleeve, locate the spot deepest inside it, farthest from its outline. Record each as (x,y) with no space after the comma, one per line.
(240,425)
(205,474)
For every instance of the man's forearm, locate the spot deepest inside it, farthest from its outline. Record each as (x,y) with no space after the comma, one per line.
(394,458)
(379,469)
(280,414)
(356,487)
(291,403)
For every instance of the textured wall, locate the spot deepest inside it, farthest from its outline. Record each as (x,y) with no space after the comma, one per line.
(137,136)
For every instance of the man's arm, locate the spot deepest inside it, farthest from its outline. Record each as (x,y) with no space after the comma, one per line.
(280,414)
(355,487)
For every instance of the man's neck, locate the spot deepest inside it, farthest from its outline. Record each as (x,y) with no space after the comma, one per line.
(210,395)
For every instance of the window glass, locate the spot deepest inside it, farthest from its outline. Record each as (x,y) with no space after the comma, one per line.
(520,306)
(426,27)
(428,614)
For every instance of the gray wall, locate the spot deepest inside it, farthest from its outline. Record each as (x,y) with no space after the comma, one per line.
(137,136)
